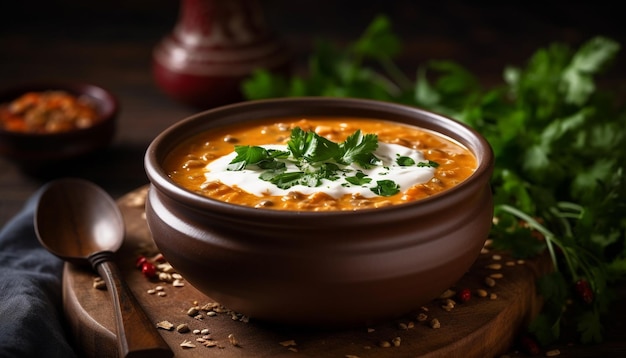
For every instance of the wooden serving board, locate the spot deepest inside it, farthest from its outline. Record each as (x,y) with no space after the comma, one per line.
(481,327)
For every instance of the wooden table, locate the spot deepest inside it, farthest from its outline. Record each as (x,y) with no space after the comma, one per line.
(110,42)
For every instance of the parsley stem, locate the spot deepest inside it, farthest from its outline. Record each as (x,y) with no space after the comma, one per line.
(395,73)
(547,234)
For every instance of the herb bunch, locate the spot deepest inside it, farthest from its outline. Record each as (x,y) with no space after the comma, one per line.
(559,182)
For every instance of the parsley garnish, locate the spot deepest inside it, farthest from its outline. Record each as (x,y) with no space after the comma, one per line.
(404,161)
(359,179)
(317,158)
(429,163)
(386,188)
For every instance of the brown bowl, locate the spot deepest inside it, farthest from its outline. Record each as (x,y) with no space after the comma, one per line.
(40,151)
(320,268)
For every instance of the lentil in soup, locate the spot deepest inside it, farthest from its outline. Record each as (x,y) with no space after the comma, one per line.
(319,164)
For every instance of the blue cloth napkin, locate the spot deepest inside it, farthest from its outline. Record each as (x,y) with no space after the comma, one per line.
(31,314)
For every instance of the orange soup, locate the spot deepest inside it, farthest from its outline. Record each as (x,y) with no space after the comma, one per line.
(319,164)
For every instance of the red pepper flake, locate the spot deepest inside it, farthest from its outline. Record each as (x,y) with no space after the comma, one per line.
(140,261)
(464,295)
(529,345)
(584,291)
(148,269)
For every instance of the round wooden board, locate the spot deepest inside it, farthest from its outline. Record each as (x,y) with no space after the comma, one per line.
(481,327)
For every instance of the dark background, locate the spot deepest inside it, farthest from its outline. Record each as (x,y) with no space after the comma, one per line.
(484,36)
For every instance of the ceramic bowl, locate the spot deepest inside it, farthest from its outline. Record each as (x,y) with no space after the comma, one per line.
(41,151)
(326,269)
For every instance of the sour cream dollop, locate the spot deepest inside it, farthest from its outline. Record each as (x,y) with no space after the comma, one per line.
(404,176)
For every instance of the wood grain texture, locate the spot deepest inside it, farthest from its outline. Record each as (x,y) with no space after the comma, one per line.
(481,327)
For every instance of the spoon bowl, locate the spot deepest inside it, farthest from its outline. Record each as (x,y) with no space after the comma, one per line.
(76,219)
(79,222)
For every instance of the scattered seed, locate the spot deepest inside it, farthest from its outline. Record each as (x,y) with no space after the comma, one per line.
(205,331)
(151,291)
(496,257)
(422,317)
(193,311)
(187,344)
(178,283)
(165,267)
(435,324)
(351,356)
(384,344)
(396,341)
(209,306)
(521,262)
(553,353)
(493,296)
(490,282)
(481,293)
(233,340)
(165,277)
(209,343)
(370,330)
(159,288)
(293,349)
(182,328)
(211,314)
(447,294)
(166,325)
(496,275)
(494,266)
(403,326)
(99,284)
(448,305)
(177,276)
(289,343)
(510,263)
(161,294)
(196,331)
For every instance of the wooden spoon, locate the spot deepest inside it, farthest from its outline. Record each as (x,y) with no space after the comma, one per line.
(79,222)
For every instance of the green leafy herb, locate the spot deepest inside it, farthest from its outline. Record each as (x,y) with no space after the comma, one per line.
(253,155)
(557,137)
(317,159)
(405,161)
(429,164)
(359,179)
(386,188)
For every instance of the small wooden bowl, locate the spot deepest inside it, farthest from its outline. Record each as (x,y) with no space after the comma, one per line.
(34,152)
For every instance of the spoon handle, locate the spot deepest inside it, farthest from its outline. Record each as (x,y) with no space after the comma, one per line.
(137,336)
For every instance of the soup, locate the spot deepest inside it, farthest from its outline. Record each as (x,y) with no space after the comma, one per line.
(319,164)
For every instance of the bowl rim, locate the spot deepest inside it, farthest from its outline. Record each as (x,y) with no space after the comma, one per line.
(281,107)
(107,104)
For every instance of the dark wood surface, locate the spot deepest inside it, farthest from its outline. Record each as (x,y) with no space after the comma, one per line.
(109,43)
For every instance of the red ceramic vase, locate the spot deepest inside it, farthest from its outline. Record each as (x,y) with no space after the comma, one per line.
(213,47)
